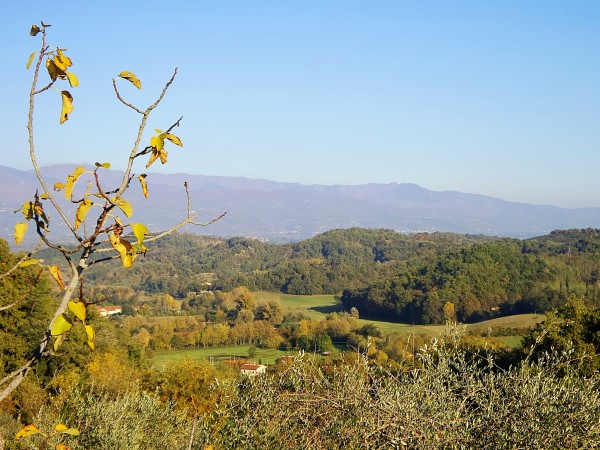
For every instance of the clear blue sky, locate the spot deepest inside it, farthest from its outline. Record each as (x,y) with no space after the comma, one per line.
(500,98)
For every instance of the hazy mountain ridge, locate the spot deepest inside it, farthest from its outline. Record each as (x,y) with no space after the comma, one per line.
(278,211)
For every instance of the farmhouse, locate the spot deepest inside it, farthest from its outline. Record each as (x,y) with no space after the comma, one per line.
(106,311)
(252,370)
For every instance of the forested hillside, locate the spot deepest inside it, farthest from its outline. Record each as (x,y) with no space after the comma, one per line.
(382,273)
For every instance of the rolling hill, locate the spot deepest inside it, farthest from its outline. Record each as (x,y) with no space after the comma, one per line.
(283,212)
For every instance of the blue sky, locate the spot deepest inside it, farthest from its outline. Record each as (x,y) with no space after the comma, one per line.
(500,98)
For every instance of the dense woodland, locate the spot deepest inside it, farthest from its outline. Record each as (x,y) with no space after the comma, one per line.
(382,273)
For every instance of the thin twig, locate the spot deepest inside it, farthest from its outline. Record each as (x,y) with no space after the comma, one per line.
(123,100)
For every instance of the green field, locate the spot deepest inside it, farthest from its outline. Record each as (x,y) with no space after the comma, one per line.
(313,306)
(213,355)
(317,307)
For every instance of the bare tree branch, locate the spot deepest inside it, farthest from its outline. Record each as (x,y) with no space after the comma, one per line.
(32,94)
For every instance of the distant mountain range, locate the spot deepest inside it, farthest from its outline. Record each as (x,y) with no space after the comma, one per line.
(280,212)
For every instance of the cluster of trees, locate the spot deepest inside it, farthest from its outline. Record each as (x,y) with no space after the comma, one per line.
(486,279)
(240,319)
(380,272)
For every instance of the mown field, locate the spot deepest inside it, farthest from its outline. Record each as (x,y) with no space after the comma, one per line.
(213,355)
(317,307)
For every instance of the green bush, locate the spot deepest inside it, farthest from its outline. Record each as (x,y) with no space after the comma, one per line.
(134,421)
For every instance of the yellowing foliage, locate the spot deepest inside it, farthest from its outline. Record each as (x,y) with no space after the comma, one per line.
(140,231)
(73,80)
(55,272)
(77,308)
(130,76)
(82,210)
(30,60)
(67,106)
(30,262)
(27,210)
(60,326)
(124,248)
(144,184)
(20,230)
(123,205)
(158,146)
(89,331)
(27,430)
(71,180)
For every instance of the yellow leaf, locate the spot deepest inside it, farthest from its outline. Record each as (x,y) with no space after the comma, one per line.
(20,230)
(82,210)
(58,340)
(67,106)
(73,81)
(44,196)
(89,330)
(27,210)
(71,431)
(77,308)
(60,326)
(53,70)
(163,156)
(140,231)
(61,446)
(30,262)
(125,250)
(71,180)
(153,157)
(34,30)
(55,272)
(62,61)
(60,427)
(131,77)
(28,430)
(174,139)
(142,179)
(124,205)
(158,142)
(104,165)
(58,186)
(30,60)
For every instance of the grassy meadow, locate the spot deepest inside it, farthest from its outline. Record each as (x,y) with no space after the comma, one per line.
(317,307)
(213,355)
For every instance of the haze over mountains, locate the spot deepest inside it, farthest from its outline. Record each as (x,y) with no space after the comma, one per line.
(278,212)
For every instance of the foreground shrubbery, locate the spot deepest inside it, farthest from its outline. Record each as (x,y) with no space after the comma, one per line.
(454,401)
(451,400)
